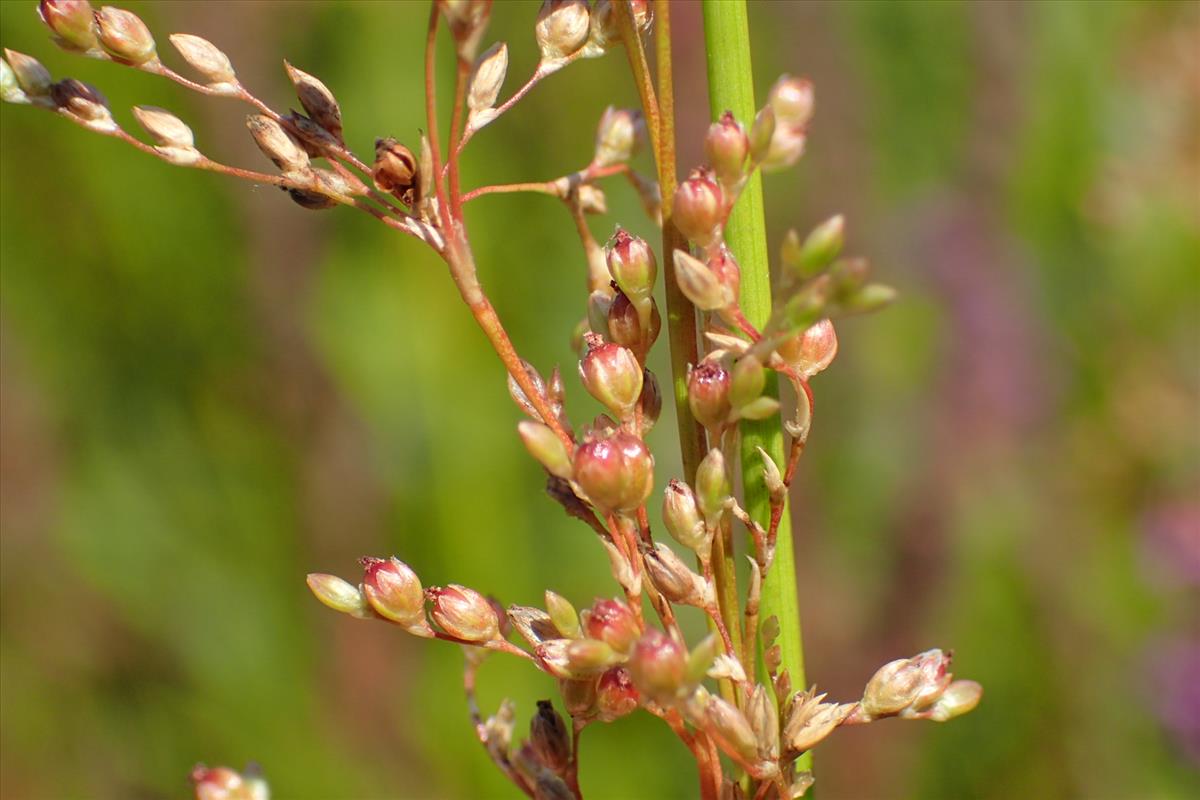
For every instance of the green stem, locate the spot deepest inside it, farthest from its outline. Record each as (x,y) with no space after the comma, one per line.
(731,87)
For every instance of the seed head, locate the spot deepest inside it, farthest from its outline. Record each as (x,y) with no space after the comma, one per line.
(700,207)
(204,57)
(658,666)
(726,147)
(615,471)
(615,694)
(394,591)
(562,28)
(611,374)
(708,394)
(124,36)
(683,520)
(612,622)
(72,21)
(33,78)
(277,144)
(632,264)
(619,136)
(464,613)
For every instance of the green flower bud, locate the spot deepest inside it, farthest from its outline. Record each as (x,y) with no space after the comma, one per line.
(544,445)
(683,520)
(339,595)
(747,382)
(563,614)
(712,485)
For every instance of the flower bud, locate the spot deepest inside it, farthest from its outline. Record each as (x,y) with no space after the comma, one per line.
(747,381)
(487,78)
(818,249)
(776,488)
(615,694)
(603,31)
(700,284)
(339,595)
(792,101)
(959,698)
(277,144)
(165,128)
(317,100)
(658,666)
(223,783)
(649,401)
(683,520)
(612,375)
(761,133)
(72,21)
(677,582)
(632,264)
(548,735)
(83,101)
(206,58)
(599,303)
(624,324)
(464,613)
(579,696)
(812,350)
(811,720)
(394,591)
(618,137)
(544,445)
(10,90)
(613,623)
(33,78)
(915,681)
(731,730)
(726,147)
(124,36)
(616,472)
(787,145)
(712,485)
(708,394)
(699,207)
(763,716)
(563,615)
(395,169)
(562,28)
(590,656)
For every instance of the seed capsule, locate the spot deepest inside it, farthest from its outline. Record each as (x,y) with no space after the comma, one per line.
(317,100)
(674,579)
(812,350)
(395,169)
(632,264)
(612,375)
(487,78)
(277,144)
(726,147)
(72,21)
(615,694)
(394,591)
(708,394)
(612,622)
(699,207)
(464,613)
(204,57)
(624,324)
(124,36)
(658,666)
(616,472)
(167,129)
(712,485)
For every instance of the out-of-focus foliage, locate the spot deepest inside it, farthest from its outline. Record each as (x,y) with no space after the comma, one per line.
(208,392)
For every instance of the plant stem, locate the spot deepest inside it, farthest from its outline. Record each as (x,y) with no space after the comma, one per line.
(731,87)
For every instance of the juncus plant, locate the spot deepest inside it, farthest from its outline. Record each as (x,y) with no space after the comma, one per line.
(737,698)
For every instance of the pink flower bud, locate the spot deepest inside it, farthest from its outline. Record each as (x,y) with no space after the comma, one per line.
(124,36)
(612,375)
(615,694)
(464,613)
(394,591)
(915,681)
(812,350)
(549,737)
(562,28)
(658,666)
(613,623)
(699,207)
(632,264)
(624,323)
(72,21)
(708,394)
(616,472)
(726,147)
(792,101)
(618,136)
(683,520)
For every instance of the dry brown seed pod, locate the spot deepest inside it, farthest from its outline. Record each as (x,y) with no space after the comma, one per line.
(277,144)
(317,100)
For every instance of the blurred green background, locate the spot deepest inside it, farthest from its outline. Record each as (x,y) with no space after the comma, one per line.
(208,392)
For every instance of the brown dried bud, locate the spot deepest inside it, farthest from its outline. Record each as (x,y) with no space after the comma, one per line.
(33,78)
(683,520)
(708,394)
(72,21)
(277,144)
(549,737)
(658,666)
(562,28)
(916,681)
(204,57)
(616,695)
(632,264)
(618,136)
(317,100)
(649,401)
(548,786)
(395,169)
(84,101)
(124,36)
(394,591)
(611,374)
(612,622)
(616,472)
(726,147)
(677,582)
(700,284)
(700,207)
(487,78)
(165,128)
(339,595)
(468,20)
(464,613)
(811,721)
